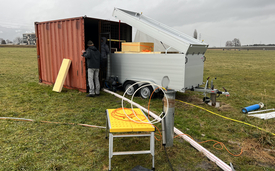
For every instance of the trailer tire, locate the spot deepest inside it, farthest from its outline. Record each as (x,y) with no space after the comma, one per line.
(131,91)
(206,100)
(146,92)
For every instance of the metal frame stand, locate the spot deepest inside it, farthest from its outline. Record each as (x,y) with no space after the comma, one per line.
(111,142)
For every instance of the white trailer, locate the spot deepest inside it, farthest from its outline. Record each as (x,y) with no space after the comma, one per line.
(184,69)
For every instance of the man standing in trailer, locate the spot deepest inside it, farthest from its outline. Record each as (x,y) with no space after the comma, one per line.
(93,60)
(104,54)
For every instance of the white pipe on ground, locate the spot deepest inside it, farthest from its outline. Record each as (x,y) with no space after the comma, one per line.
(197,146)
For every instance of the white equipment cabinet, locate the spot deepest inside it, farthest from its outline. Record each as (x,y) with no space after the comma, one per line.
(184,69)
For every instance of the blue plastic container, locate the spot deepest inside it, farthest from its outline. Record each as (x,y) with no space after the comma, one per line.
(253,107)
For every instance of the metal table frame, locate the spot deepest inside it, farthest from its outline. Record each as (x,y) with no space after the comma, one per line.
(111,140)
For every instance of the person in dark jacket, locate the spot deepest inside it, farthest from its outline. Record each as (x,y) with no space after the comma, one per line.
(93,60)
(104,55)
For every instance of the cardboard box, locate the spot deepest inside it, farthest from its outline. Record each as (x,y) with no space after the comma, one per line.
(137,47)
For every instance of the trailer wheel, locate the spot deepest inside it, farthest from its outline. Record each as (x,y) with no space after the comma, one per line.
(146,92)
(131,91)
(206,100)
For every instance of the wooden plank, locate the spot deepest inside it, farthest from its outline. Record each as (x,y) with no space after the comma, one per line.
(137,47)
(63,71)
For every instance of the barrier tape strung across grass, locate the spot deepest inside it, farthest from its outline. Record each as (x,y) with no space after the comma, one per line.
(31,120)
(227,117)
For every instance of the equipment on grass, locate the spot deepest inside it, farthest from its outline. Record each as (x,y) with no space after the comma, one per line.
(168,122)
(212,91)
(118,123)
(112,83)
(185,66)
(138,71)
(253,107)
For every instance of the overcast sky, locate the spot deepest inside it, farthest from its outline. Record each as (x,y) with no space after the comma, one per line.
(216,21)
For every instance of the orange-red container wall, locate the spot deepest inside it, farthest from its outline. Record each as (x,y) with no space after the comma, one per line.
(58,40)
(65,39)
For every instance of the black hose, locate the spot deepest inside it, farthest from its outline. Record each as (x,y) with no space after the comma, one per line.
(168,158)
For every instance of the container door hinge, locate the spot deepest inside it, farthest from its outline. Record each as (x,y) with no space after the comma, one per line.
(40,80)
(38,56)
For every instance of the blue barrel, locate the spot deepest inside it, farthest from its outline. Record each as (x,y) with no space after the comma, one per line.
(253,107)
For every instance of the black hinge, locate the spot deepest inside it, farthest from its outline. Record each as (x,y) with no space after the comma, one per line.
(38,56)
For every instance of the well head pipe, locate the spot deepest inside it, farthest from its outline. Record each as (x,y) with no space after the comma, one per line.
(168,121)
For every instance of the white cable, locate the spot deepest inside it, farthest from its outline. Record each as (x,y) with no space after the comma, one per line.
(153,121)
(142,82)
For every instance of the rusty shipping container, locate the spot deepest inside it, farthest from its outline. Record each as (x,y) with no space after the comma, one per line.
(66,38)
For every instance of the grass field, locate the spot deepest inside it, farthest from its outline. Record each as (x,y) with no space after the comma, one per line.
(247,75)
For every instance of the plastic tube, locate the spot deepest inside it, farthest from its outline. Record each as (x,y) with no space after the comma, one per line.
(253,107)
(261,111)
(208,154)
(142,82)
(200,148)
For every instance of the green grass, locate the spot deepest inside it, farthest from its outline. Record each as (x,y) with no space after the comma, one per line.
(247,75)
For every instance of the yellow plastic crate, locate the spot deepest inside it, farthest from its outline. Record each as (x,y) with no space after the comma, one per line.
(124,125)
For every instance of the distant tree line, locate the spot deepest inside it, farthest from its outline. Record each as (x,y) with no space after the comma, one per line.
(235,42)
(17,40)
(2,41)
(262,45)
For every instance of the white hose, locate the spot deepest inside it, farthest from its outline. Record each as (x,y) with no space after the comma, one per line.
(208,154)
(143,82)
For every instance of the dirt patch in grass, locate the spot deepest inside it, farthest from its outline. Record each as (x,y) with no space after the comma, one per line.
(254,149)
(190,99)
(207,165)
(198,101)
(46,85)
(225,107)
(194,100)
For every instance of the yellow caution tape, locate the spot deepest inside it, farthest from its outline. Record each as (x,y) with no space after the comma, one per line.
(227,117)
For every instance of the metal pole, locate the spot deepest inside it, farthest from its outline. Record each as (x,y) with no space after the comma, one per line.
(163,132)
(213,99)
(110,149)
(152,148)
(168,121)
(109,58)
